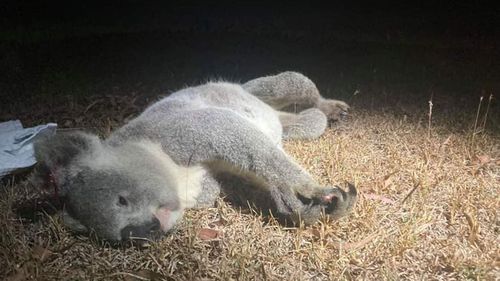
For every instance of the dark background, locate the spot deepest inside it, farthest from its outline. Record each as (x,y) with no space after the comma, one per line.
(384,52)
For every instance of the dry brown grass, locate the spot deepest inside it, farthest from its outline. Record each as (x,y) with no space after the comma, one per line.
(428,209)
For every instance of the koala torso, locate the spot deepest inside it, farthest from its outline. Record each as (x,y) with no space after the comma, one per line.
(216,100)
(226,103)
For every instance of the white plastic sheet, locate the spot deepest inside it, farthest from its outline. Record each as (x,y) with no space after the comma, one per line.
(16,145)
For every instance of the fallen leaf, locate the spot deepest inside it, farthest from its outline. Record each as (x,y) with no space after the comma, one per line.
(208,234)
(381,198)
(483,159)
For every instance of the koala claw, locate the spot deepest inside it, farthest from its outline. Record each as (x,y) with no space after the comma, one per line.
(338,202)
(334,109)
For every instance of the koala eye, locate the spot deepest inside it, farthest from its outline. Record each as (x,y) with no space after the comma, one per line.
(122,201)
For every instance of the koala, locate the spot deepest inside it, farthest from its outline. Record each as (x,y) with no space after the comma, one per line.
(187,148)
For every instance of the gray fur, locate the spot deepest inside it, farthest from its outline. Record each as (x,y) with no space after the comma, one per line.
(308,124)
(196,134)
(287,90)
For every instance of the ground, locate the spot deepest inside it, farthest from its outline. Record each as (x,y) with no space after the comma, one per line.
(421,147)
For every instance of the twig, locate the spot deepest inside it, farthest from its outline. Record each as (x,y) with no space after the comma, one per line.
(430,115)
(411,192)
(475,123)
(487,110)
(91,105)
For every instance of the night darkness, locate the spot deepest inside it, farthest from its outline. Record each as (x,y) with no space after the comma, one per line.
(54,48)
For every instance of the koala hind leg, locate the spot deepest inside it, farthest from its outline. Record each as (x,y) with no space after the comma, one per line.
(308,124)
(291,90)
(284,89)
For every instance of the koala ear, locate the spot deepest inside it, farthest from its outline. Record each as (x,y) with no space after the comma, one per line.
(57,152)
(61,149)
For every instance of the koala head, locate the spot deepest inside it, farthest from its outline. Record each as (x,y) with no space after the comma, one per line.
(118,192)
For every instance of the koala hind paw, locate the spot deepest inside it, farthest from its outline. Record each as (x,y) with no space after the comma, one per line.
(334,110)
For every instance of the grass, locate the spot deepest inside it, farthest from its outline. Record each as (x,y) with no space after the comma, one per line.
(428,209)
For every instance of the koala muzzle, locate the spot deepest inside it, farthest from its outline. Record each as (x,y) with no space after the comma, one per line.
(147,230)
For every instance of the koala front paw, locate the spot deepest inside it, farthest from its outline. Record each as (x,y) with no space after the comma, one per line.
(333,109)
(309,203)
(337,202)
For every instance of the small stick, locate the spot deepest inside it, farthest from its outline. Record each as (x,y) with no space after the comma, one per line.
(430,114)
(411,192)
(475,123)
(487,110)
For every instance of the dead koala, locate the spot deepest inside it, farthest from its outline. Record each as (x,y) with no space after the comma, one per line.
(138,182)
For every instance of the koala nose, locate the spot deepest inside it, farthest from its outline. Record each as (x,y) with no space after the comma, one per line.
(155,225)
(146,230)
